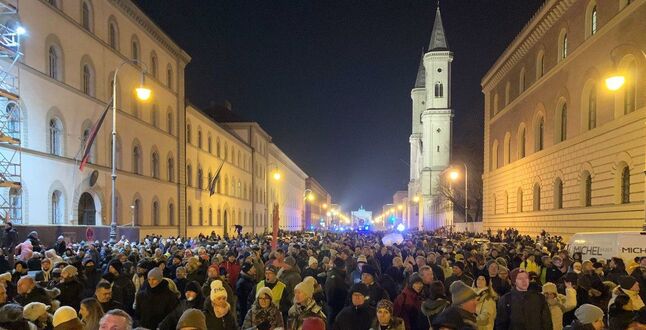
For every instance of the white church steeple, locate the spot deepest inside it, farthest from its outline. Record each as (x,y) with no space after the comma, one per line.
(437,67)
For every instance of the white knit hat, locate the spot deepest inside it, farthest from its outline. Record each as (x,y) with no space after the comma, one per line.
(34,310)
(217,290)
(264,290)
(69,271)
(64,314)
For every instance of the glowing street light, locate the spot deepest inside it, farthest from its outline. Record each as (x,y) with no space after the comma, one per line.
(20,30)
(614,83)
(416,199)
(454,175)
(400,207)
(276,175)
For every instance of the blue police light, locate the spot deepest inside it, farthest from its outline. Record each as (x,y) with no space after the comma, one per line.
(401,227)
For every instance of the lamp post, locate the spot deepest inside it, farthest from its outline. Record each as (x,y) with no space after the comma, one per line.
(143,94)
(454,176)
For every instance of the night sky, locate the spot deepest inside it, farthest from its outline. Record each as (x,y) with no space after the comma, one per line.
(330,80)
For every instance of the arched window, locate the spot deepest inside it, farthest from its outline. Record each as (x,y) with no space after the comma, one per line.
(86,16)
(155,213)
(219,217)
(563,46)
(55,65)
(169,122)
(153,64)
(189,175)
(200,214)
(155,164)
(53,3)
(136,212)
(55,137)
(199,138)
(200,179)
(188,133)
(169,76)
(630,88)
(113,35)
(507,93)
(521,81)
(210,223)
(154,113)
(540,134)
(521,143)
(558,193)
(87,80)
(494,155)
(15,202)
(625,185)
(13,120)
(593,21)
(226,152)
(562,123)
(208,143)
(136,160)
(540,64)
(507,149)
(592,108)
(519,200)
(57,207)
(586,189)
(439,89)
(171,214)
(135,51)
(189,215)
(217,147)
(171,169)
(537,197)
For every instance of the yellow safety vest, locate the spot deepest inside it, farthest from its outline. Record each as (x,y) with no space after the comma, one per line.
(276,292)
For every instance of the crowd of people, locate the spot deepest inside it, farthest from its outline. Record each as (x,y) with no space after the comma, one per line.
(322,280)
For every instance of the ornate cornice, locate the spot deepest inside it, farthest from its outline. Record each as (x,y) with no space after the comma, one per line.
(546,16)
(129,9)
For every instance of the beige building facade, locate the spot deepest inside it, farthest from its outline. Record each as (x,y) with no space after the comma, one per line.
(563,153)
(167,151)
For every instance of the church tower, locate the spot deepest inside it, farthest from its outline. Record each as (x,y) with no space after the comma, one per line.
(431,138)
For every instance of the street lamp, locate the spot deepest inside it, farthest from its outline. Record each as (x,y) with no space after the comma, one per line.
(615,82)
(143,94)
(454,175)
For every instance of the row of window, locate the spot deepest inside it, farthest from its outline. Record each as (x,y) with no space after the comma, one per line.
(226,153)
(589,114)
(224,218)
(591,28)
(585,185)
(55,51)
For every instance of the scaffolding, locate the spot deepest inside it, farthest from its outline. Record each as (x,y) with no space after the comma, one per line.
(10,117)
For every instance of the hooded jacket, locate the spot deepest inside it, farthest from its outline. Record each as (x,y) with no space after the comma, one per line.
(153,304)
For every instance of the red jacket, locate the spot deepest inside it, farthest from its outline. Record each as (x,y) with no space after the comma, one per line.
(233,270)
(408,306)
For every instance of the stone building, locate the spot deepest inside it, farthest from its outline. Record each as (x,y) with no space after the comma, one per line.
(563,153)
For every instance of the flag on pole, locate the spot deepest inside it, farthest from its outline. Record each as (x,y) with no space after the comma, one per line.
(214,180)
(90,138)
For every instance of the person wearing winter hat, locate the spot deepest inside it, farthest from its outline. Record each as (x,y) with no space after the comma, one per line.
(588,315)
(280,295)
(375,291)
(11,317)
(155,300)
(217,310)
(304,306)
(462,312)
(194,299)
(408,303)
(290,274)
(459,274)
(513,306)
(192,319)
(71,287)
(359,314)
(37,313)
(629,286)
(559,303)
(312,268)
(123,290)
(263,314)
(385,317)
(244,287)
(65,318)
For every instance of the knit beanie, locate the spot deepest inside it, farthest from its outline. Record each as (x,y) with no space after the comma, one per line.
(64,317)
(217,290)
(10,313)
(116,264)
(549,287)
(264,290)
(156,274)
(312,261)
(311,281)
(385,304)
(69,271)
(459,264)
(192,318)
(360,288)
(34,310)
(588,314)
(461,293)
(306,288)
(369,269)
(290,261)
(193,286)
(627,282)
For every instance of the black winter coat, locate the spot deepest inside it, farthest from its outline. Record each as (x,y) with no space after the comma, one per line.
(527,310)
(153,304)
(123,290)
(336,290)
(227,322)
(37,294)
(92,278)
(171,320)
(356,318)
(244,287)
(71,293)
